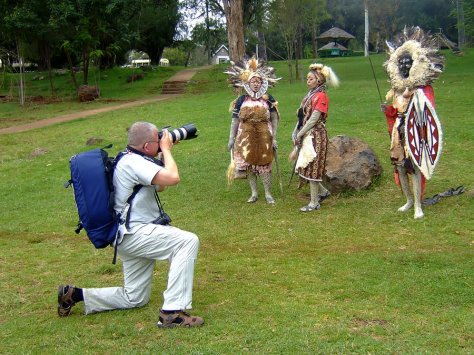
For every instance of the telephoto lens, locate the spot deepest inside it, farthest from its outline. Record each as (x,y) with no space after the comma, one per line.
(187,131)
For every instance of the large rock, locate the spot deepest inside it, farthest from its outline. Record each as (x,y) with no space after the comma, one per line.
(350,165)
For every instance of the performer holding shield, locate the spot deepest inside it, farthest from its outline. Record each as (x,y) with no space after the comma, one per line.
(414,63)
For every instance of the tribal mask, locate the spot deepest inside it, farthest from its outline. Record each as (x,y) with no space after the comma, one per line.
(414,59)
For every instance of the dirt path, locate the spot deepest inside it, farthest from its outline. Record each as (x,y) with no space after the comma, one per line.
(184,75)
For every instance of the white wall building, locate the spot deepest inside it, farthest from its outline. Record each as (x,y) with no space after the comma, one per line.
(221,55)
(140,62)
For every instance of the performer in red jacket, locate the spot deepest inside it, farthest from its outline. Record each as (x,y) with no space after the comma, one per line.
(310,136)
(414,63)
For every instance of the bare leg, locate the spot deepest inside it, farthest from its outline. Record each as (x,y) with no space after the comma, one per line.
(253,186)
(267,185)
(416,180)
(403,176)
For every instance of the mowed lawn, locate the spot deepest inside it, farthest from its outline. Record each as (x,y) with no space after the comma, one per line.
(354,277)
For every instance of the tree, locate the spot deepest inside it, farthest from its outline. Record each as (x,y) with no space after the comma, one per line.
(234,13)
(284,15)
(468,7)
(20,21)
(366,31)
(156,22)
(93,27)
(255,23)
(317,14)
(175,55)
(298,22)
(239,15)
(384,22)
(211,36)
(460,23)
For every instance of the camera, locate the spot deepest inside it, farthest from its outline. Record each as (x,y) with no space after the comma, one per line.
(163,220)
(187,131)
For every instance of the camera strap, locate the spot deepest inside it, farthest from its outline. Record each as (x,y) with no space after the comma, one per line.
(153,160)
(158,202)
(157,162)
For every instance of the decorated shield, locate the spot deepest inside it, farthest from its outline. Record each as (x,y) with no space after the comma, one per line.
(423,134)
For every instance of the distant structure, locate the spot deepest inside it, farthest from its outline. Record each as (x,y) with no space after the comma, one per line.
(444,42)
(136,59)
(164,62)
(221,55)
(136,63)
(333,48)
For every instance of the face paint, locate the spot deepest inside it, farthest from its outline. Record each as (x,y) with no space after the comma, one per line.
(404,65)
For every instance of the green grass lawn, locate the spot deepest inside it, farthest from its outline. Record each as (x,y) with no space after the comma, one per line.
(355,277)
(41,103)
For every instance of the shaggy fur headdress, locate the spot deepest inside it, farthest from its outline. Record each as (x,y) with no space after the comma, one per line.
(241,72)
(427,64)
(324,73)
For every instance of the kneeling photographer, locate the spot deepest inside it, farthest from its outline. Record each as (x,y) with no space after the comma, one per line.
(148,236)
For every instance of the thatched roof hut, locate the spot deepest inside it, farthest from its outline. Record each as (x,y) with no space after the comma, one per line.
(335,33)
(332,48)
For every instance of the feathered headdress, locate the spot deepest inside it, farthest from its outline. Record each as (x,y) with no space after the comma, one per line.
(241,72)
(423,49)
(326,73)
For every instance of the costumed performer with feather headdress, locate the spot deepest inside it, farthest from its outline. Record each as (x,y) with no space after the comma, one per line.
(310,136)
(253,130)
(414,63)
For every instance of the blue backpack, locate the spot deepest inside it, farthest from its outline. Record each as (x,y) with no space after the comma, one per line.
(92,181)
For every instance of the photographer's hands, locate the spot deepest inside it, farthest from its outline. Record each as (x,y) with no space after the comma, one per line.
(166,141)
(169,175)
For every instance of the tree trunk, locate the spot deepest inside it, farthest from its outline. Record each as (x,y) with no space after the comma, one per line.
(22,87)
(188,57)
(289,51)
(47,58)
(85,68)
(314,38)
(366,35)
(99,60)
(50,75)
(461,24)
(298,50)
(71,69)
(235,28)
(262,46)
(297,68)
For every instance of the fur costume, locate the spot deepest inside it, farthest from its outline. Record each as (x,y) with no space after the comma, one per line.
(255,118)
(416,137)
(427,65)
(254,142)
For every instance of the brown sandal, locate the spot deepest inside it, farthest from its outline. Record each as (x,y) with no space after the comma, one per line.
(178,319)
(65,301)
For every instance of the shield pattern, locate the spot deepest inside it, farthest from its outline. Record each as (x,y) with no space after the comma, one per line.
(423,134)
